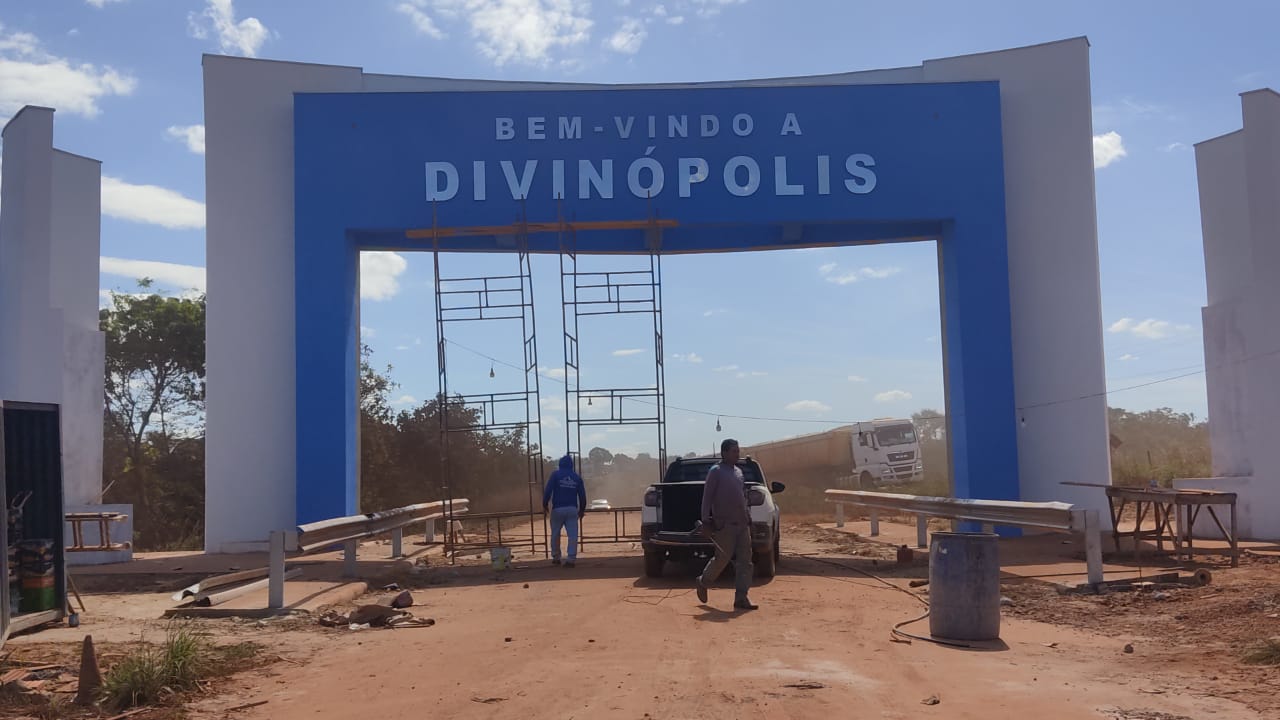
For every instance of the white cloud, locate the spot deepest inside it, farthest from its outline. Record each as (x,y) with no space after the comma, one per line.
(809,406)
(1127,357)
(1172,147)
(368,333)
(402,347)
(1149,329)
(1107,148)
(31,76)
(550,422)
(244,36)
(525,31)
(187,277)
(693,358)
(415,10)
(714,311)
(379,273)
(833,273)
(675,20)
(628,352)
(628,38)
(102,3)
(660,10)
(711,8)
(554,373)
(554,404)
(405,400)
(857,379)
(192,135)
(753,373)
(893,396)
(150,204)
(726,368)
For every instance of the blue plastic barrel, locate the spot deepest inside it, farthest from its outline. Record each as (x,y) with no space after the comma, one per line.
(964,586)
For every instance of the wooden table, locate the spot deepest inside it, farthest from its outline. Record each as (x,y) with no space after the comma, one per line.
(1175,513)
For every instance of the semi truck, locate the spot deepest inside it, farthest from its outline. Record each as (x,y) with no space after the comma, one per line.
(879,452)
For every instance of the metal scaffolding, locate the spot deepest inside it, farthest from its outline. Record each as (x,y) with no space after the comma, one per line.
(634,288)
(484,299)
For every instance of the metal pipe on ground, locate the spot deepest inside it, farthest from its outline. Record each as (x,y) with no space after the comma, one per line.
(208,599)
(218,581)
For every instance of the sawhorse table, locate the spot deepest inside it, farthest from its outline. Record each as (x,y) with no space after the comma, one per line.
(1175,513)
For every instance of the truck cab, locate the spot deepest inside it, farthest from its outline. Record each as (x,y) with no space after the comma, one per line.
(886,451)
(672,508)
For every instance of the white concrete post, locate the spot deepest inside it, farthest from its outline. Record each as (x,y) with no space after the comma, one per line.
(875,522)
(397,542)
(349,559)
(431,532)
(275,572)
(922,530)
(839,515)
(1093,546)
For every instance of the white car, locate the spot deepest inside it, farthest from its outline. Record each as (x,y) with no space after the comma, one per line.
(599,505)
(671,511)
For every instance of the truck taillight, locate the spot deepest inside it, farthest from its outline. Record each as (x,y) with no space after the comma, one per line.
(755,497)
(650,498)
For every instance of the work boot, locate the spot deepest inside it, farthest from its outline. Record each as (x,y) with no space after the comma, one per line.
(744,604)
(702,591)
(555,561)
(568,563)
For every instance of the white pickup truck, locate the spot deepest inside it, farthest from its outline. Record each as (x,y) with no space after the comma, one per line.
(672,508)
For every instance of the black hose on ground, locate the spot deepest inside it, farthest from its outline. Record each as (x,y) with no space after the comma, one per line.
(896,629)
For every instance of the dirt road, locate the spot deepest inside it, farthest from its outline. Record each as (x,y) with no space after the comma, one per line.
(596,641)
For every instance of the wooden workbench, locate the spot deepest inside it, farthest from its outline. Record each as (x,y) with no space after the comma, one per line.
(1175,513)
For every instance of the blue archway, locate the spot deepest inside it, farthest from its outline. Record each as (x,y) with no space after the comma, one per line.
(727,169)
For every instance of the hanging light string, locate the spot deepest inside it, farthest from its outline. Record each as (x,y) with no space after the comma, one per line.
(760,418)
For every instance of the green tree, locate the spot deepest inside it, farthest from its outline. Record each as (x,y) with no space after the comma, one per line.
(154,414)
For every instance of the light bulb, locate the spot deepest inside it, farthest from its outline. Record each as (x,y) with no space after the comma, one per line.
(717,424)
(490,371)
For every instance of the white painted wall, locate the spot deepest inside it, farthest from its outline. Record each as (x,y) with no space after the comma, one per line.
(52,350)
(1057,317)
(1239,180)
(249,410)
(73,289)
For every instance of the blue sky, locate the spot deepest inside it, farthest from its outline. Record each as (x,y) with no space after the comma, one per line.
(845,334)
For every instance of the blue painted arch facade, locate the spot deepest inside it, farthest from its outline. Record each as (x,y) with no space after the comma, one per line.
(731,168)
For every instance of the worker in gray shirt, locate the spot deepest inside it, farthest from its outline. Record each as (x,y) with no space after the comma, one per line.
(726,517)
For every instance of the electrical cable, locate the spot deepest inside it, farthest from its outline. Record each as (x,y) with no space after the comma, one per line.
(1032,406)
(896,630)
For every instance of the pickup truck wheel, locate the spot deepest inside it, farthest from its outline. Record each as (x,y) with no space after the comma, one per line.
(653,561)
(866,482)
(765,564)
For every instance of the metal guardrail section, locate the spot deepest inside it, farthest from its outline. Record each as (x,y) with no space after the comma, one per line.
(324,533)
(348,531)
(1055,515)
(1051,515)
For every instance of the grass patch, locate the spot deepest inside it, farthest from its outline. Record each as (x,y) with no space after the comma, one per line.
(1265,652)
(154,674)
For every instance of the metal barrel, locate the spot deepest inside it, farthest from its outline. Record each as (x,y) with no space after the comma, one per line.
(964,586)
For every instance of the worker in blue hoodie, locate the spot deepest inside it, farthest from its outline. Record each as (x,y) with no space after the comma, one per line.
(565,500)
